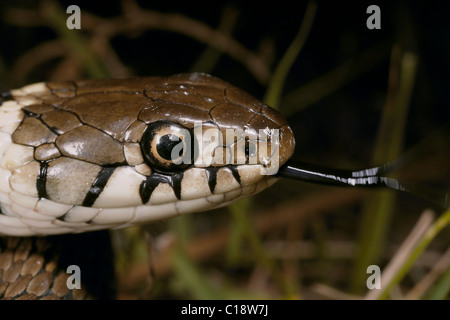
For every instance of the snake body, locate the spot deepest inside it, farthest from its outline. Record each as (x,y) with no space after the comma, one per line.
(79,156)
(37,267)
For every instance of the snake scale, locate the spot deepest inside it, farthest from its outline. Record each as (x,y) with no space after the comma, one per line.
(79,156)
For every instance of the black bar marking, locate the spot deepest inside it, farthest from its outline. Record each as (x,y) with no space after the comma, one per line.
(211,175)
(149,185)
(235,173)
(145,191)
(41,182)
(176,184)
(98,186)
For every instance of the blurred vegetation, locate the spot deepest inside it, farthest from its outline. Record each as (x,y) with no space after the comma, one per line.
(354,98)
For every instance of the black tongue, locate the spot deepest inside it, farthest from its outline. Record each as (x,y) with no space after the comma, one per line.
(331,176)
(372,177)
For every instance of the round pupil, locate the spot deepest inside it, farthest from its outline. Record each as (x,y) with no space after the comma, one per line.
(166,145)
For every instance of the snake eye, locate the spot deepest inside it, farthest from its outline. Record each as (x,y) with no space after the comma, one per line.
(167,147)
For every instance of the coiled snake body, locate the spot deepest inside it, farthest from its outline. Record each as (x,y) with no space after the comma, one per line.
(79,156)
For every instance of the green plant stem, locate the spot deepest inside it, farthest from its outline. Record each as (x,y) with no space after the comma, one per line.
(378,208)
(440,223)
(187,272)
(335,79)
(242,229)
(276,85)
(190,275)
(442,289)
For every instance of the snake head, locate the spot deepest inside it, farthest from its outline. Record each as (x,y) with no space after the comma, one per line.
(86,155)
